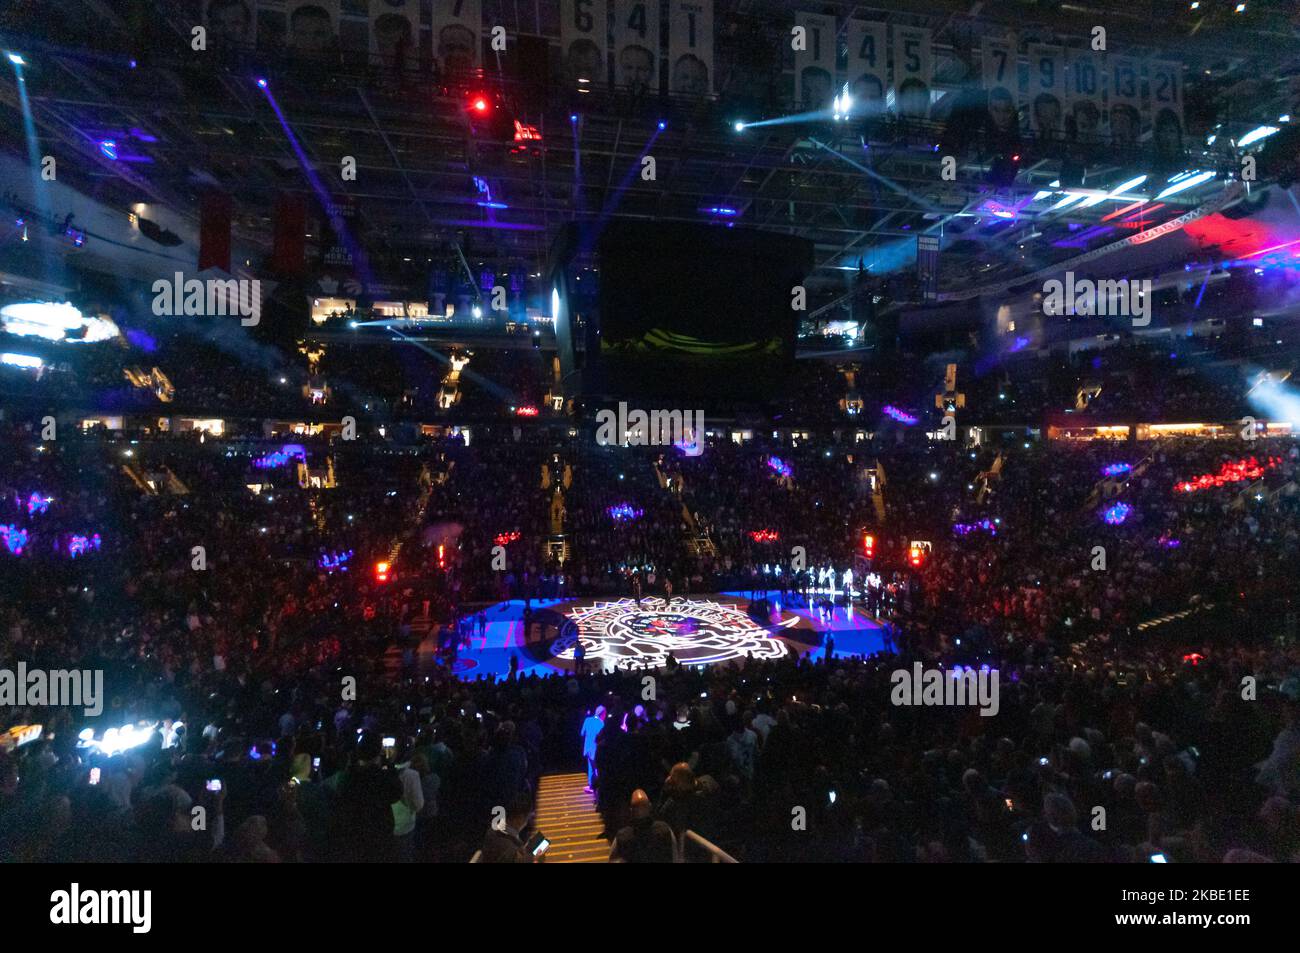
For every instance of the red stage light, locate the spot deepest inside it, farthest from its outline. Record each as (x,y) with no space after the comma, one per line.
(916,556)
(381,571)
(526,411)
(481,104)
(869,546)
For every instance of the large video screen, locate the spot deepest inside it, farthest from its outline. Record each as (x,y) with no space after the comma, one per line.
(697,311)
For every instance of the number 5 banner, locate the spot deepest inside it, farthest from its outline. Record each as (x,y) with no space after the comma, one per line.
(690,47)
(636,44)
(913,65)
(583,28)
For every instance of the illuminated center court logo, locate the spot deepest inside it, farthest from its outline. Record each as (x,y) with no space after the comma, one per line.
(696,632)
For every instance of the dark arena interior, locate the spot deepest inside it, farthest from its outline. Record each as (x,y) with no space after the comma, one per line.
(680,431)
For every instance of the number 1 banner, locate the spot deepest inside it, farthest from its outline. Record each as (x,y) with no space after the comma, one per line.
(814,65)
(690,47)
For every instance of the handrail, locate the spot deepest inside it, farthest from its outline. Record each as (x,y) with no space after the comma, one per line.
(716,853)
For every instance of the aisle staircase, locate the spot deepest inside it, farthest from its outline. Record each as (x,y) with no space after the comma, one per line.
(567,815)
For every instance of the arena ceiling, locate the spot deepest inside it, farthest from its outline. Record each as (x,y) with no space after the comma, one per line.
(860,194)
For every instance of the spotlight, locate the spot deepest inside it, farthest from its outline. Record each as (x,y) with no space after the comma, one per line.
(573,117)
(109,148)
(662,125)
(739,126)
(261,83)
(480,104)
(17,60)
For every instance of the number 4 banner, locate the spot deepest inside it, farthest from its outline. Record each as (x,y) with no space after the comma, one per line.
(868,66)
(636,43)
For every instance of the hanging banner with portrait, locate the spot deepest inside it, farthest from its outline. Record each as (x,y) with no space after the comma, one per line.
(814,64)
(1085,72)
(1000,67)
(636,44)
(690,47)
(1125,91)
(1045,94)
(913,61)
(230,24)
(313,29)
(457,27)
(868,66)
(1165,88)
(584,25)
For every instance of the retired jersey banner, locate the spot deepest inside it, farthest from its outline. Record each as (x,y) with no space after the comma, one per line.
(690,47)
(395,32)
(1000,68)
(913,69)
(1045,94)
(814,64)
(457,28)
(584,26)
(868,65)
(313,28)
(1125,90)
(230,23)
(1165,85)
(636,44)
(1085,71)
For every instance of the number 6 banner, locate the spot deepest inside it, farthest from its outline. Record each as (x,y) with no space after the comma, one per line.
(636,43)
(868,66)
(583,28)
(456,26)
(690,47)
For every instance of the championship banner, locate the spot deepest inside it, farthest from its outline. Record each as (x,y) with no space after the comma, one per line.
(584,25)
(913,68)
(230,24)
(690,47)
(868,66)
(636,44)
(395,32)
(456,28)
(1165,84)
(1046,92)
(1125,87)
(1083,96)
(814,65)
(313,30)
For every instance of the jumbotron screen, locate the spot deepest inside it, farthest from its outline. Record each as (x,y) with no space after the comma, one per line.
(697,310)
